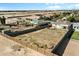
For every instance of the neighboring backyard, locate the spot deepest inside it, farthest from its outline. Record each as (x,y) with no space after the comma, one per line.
(75,36)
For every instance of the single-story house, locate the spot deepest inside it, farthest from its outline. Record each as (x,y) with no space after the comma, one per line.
(11,20)
(36,21)
(60,25)
(76,26)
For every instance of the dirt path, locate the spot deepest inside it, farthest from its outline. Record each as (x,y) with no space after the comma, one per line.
(72,48)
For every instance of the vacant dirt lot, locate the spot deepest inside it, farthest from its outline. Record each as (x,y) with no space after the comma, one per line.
(43,40)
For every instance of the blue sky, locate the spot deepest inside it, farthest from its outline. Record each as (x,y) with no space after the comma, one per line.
(38,6)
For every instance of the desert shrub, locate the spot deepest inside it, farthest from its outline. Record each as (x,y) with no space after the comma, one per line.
(19,39)
(71,19)
(45,46)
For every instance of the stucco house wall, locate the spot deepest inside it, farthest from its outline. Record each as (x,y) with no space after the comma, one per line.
(76,26)
(59,25)
(11,20)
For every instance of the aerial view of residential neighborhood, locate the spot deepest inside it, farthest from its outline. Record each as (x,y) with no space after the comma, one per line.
(39,29)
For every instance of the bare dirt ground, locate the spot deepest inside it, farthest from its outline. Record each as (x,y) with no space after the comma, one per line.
(72,49)
(43,40)
(31,40)
(6,46)
(12,48)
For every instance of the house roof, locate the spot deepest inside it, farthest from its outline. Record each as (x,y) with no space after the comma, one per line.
(67,23)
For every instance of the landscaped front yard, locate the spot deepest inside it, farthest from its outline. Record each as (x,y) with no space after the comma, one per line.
(75,36)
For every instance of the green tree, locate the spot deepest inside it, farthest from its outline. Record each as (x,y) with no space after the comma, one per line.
(47,18)
(60,17)
(41,17)
(55,15)
(77,19)
(71,19)
(66,13)
(2,20)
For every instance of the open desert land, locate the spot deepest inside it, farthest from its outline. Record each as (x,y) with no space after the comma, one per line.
(28,14)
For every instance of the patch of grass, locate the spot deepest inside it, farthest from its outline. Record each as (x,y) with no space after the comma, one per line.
(75,36)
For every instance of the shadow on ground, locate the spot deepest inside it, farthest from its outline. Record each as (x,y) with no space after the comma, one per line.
(17,33)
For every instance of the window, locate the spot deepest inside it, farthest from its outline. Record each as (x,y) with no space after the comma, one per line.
(74,26)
